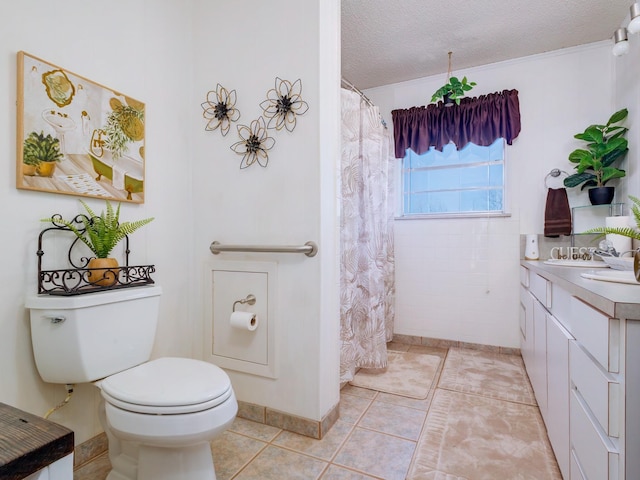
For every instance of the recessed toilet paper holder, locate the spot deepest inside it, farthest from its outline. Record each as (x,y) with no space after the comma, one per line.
(250,299)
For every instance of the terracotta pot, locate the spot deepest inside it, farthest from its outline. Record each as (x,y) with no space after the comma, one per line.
(46,169)
(28,170)
(103,271)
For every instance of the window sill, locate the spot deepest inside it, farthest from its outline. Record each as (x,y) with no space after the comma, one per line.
(441,216)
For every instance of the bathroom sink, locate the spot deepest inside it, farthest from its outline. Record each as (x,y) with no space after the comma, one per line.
(617,276)
(576,263)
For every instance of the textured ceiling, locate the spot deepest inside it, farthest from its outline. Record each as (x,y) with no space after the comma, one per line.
(389,41)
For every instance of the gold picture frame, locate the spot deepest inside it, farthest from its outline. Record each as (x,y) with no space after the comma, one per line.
(77,137)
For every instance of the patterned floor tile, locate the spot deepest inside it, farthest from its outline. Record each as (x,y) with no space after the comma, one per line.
(376,454)
(324,449)
(408,374)
(256,430)
(358,391)
(493,375)
(404,401)
(352,407)
(231,452)
(403,422)
(339,473)
(275,463)
(470,436)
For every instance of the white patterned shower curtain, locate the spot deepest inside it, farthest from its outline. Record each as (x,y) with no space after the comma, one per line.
(367,283)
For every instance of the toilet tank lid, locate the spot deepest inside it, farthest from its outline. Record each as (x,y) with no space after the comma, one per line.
(44,302)
(168,381)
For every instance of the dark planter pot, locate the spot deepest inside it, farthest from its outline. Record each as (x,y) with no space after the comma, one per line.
(601,195)
(447,101)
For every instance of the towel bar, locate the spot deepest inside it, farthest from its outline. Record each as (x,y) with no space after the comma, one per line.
(555,173)
(310,249)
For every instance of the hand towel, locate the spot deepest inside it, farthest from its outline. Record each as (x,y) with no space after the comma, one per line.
(557,214)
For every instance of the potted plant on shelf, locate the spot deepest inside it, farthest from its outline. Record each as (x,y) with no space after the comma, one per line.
(101,233)
(594,163)
(452,91)
(40,154)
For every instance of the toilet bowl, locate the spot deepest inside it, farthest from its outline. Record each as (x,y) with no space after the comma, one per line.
(159,415)
(170,409)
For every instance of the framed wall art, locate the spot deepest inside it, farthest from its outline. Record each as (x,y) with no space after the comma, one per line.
(77,137)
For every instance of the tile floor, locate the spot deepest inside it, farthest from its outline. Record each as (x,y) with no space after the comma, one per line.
(378,435)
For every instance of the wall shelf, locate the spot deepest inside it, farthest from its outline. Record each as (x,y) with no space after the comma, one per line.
(75,280)
(592,216)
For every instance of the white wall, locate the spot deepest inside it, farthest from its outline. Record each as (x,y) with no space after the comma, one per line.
(627,94)
(283,203)
(458,279)
(169,53)
(133,47)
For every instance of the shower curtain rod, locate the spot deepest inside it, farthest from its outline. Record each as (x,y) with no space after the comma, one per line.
(353,88)
(366,99)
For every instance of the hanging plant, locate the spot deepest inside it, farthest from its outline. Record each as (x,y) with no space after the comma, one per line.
(453,90)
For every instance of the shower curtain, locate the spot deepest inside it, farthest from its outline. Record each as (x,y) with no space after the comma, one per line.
(367,284)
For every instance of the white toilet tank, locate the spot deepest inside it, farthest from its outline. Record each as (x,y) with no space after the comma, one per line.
(79,339)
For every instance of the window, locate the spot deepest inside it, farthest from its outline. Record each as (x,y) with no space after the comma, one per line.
(467,181)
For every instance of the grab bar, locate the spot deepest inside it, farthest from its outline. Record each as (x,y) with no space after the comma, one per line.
(309,249)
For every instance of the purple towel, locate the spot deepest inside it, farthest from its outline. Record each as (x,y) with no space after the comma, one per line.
(557,214)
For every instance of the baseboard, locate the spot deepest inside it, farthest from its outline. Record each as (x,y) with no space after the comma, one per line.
(292,423)
(437,342)
(92,448)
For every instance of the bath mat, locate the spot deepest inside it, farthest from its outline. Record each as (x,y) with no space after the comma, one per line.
(407,374)
(489,374)
(469,436)
(85,184)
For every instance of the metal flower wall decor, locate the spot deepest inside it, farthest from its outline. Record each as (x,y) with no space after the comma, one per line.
(254,144)
(220,109)
(283,104)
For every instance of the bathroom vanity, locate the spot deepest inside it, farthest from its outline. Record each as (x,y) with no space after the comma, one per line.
(580,342)
(33,448)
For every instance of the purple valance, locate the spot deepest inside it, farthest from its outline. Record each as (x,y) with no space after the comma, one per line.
(480,120)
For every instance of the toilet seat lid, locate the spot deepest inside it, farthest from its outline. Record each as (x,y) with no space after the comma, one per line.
(168,385)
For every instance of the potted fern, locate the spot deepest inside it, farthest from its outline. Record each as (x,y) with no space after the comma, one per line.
(101,233)
(40,154)
(633,233)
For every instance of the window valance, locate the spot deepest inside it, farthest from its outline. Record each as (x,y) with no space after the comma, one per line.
(480,120)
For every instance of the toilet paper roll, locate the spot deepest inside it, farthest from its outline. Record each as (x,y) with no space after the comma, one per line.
(244,321)
(620,242)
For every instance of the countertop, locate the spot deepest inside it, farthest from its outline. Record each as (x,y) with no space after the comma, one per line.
(29,443)
(618,300)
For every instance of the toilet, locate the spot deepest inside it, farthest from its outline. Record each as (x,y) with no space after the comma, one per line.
(159,415)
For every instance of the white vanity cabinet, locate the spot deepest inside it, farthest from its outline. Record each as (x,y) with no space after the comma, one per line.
(557,411)
(596,407)
(591,364)
(545,351)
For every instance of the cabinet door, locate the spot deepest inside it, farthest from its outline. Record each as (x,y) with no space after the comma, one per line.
(526,328)
(557,416)
(538,374)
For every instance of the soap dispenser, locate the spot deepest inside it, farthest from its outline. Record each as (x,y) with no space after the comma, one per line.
(531,247)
